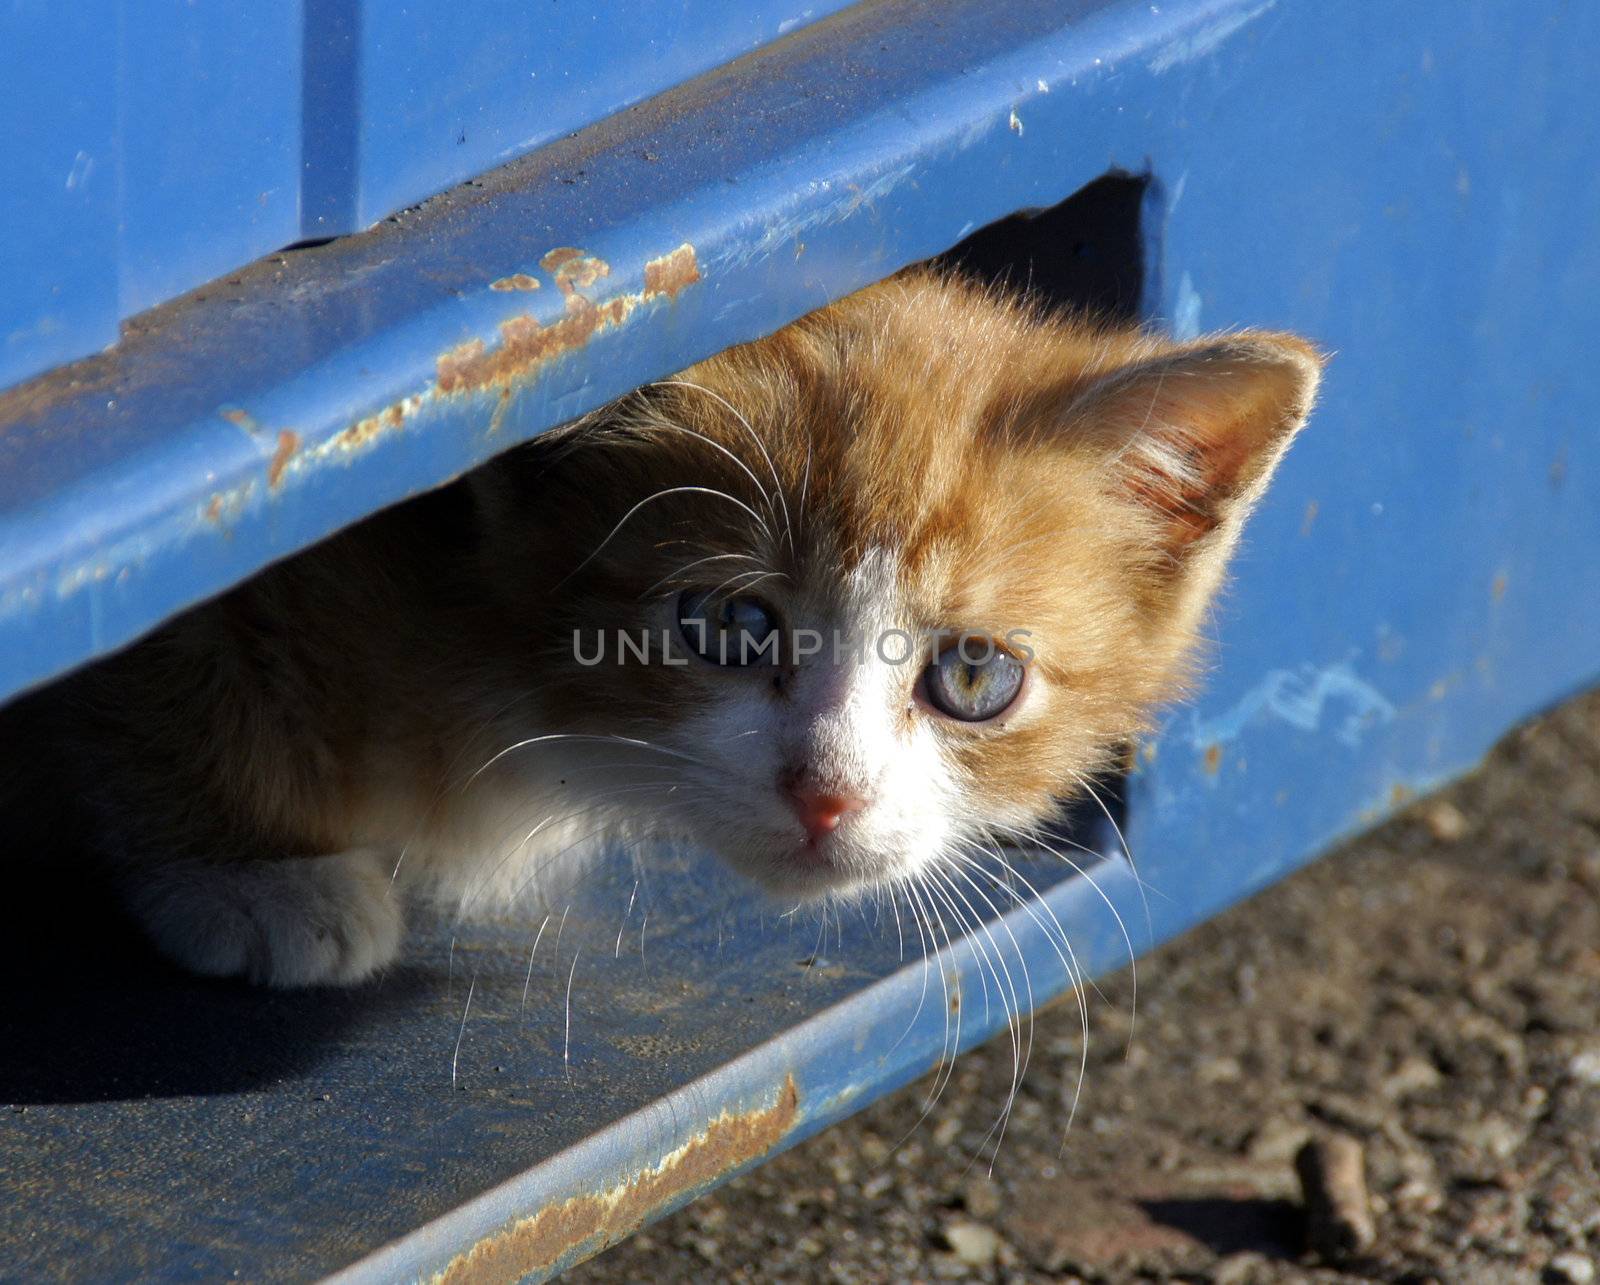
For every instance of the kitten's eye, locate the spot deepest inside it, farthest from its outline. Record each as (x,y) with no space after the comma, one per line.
(973,680)
(728,629)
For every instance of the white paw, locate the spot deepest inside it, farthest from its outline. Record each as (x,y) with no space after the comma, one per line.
(302,921)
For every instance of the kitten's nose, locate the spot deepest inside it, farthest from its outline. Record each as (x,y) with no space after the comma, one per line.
(820,811)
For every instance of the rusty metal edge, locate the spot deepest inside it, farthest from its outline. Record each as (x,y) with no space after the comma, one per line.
(579,1203)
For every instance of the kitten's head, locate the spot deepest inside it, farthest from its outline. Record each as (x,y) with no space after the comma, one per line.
(966,548)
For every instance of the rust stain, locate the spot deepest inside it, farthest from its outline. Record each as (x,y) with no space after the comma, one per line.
(594,1222)
(498,417)
(214,509)
(516,281)
(1213,759)
(288,444)
(364,431)
(527,345)
(1497,588)
(671,273)
(573,269)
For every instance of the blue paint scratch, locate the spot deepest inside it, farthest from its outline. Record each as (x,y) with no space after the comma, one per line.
(1300,698)
(1186,311)
(1198,44)
(791,227)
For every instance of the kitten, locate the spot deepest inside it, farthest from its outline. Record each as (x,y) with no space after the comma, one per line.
(971,543)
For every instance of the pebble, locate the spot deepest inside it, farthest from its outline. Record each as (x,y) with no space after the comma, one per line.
(1334,1182)
(1241,1269)
(1571,1269)
(1413,1075)
(972,1242)
(1219,1070)
(1585,1066)
(1445,821)
(1493,1136)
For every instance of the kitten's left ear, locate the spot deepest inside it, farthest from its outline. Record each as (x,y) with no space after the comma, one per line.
(1193,435)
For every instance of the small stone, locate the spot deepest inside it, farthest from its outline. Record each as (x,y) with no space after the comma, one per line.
(1493,1136)
(1242,1268)
(1570,1269)
(1219,1070)
(1444,820)
(972,1242)
(1338,1212)
(1416,1196)
(1585,1066)
(1413,1075)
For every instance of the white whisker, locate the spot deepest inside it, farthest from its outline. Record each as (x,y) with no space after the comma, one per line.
(659,495)
(754,437)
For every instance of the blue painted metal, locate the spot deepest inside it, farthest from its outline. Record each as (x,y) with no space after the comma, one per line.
(152,145)
(1422,575)
(58,203)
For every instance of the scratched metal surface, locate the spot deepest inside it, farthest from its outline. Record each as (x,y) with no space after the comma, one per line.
(1423,199)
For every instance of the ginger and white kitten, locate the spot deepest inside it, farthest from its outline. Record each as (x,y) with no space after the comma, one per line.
(409,709)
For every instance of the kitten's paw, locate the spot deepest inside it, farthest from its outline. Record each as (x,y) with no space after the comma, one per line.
(304,921)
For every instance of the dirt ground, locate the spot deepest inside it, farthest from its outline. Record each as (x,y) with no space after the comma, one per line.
(1431,991)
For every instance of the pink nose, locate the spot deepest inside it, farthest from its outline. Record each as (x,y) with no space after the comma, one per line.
(820,811)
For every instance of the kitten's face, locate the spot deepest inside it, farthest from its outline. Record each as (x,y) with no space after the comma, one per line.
(974,544)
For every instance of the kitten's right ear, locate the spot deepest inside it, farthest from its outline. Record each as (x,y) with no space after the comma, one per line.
(1193,435)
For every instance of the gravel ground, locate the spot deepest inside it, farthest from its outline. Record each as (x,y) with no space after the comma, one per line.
(1431,994)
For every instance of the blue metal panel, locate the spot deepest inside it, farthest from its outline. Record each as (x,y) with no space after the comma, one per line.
(58,197)
(424,96)
(1425,571)
(155,144)
(1425,204)
(209,97)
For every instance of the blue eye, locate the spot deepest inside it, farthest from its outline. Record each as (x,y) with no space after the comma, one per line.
(729,629)
(973,680)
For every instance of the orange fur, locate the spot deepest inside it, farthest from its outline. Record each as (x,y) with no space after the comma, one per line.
(924,455)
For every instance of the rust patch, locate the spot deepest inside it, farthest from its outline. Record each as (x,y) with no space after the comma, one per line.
(242,418)
(288,444)
(671,273)
(573,269)
(214,509)
(1213,759)
(528,345)
(594,1222)
(1497,588)
(516,281)
(363,431)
